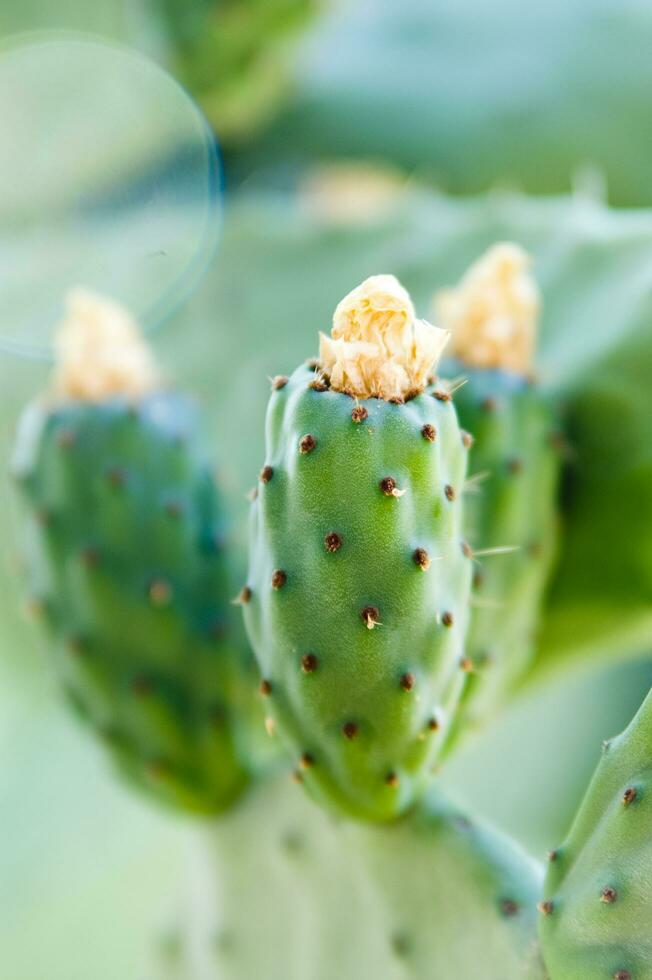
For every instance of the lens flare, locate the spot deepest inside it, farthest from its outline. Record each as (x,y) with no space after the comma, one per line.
(110,179)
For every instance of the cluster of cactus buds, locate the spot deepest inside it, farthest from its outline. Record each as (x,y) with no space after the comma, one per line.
(402,533)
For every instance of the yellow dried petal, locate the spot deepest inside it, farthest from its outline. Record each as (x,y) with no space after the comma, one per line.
(378,348)
(100,351)
(493,313)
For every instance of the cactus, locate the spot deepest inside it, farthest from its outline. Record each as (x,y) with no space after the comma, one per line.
(597,904)
(510,516)
(356,600)
(126,565)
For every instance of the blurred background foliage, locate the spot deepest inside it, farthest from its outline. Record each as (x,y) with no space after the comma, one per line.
(471,97)
(541,96)
(538,96)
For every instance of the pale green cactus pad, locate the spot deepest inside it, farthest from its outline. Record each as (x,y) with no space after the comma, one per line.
(282,890)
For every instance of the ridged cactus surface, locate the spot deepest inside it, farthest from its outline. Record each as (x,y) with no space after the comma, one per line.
(597,910)
(125,562)
(356,600)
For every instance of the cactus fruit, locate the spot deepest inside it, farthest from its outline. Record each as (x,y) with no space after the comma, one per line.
(126,565)
(597,905)
(357,595)
(511,506)
(434,895)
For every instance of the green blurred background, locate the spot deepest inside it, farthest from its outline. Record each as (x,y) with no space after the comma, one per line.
(454,97)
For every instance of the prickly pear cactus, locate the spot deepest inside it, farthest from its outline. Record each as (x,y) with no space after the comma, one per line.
(594,360)
(510,514)
(125,563)
(356,600)
(435,895)
(430,894)
(597,905)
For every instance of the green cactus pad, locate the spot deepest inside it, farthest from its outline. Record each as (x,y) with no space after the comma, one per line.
(597,907)
(435,895)
(126,568)
(511,504)
(358,588)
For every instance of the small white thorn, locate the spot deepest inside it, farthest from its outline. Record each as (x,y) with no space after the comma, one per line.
(472,483)
(456,384)
(371,624)
(507,549)
(320,376)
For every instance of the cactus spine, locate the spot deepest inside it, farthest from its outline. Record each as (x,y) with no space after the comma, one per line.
(356,600)
(125,562)
(510,510)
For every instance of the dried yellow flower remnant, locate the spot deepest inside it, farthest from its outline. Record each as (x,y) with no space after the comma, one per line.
(494,311)
(100,351)
(378,348)
(351,192)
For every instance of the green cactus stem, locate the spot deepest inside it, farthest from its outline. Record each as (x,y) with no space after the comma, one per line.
(126,564)
(510,506)
(358,584)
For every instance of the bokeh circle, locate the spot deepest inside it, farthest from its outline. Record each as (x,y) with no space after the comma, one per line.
(110,179)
